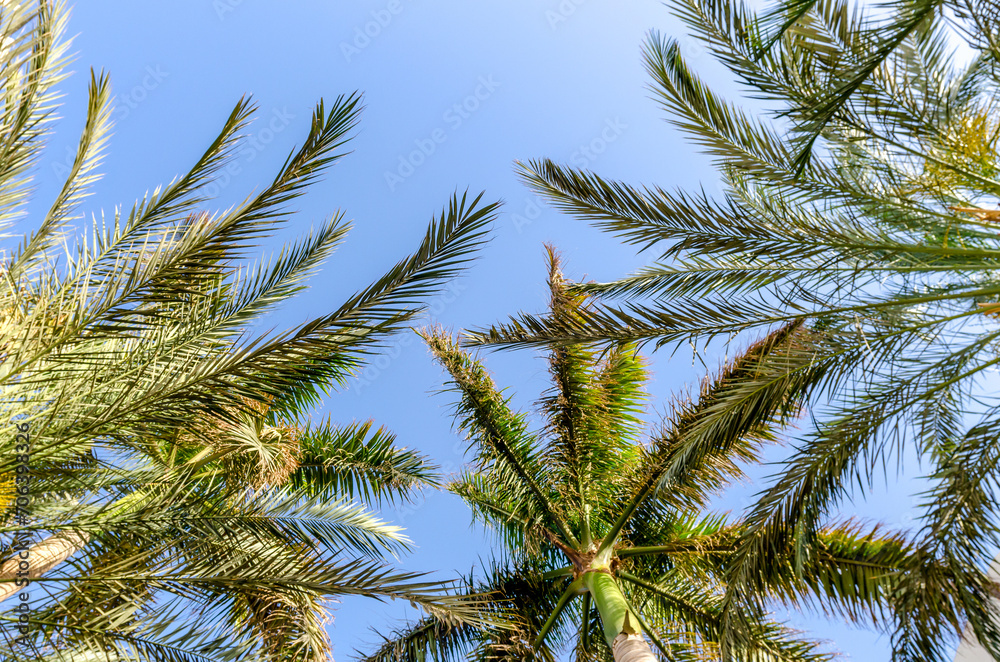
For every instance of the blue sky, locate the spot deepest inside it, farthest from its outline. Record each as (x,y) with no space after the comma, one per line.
(454,93)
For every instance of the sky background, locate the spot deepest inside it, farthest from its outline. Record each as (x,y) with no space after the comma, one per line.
(537,78)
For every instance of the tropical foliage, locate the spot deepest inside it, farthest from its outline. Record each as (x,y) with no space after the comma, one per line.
(175,503)
(859,192)
(608,539)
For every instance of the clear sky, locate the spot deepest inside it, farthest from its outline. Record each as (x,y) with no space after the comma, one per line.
(476,84)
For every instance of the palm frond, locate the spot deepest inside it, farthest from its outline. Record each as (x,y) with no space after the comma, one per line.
(357,461)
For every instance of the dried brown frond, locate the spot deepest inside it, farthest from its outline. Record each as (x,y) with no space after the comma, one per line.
(981,214)
(258,453)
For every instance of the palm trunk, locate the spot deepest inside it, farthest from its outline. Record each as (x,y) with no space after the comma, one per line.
(969,648)
(41,558)
(621,628)
(55,549)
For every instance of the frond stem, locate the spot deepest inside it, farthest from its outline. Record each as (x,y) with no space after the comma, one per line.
(561,572)
(564,600)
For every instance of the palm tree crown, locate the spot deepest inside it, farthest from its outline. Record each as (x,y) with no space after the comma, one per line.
(606,538)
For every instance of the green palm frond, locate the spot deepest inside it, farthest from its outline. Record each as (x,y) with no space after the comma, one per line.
(736,412)
(676,603)
(31,64)
(81,175)
(358,462)
(519,596)
(505,449)
(590,409)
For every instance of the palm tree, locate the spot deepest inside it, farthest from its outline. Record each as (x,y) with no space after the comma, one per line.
(607,539)
(879,229)
(254,526)
(172,502)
